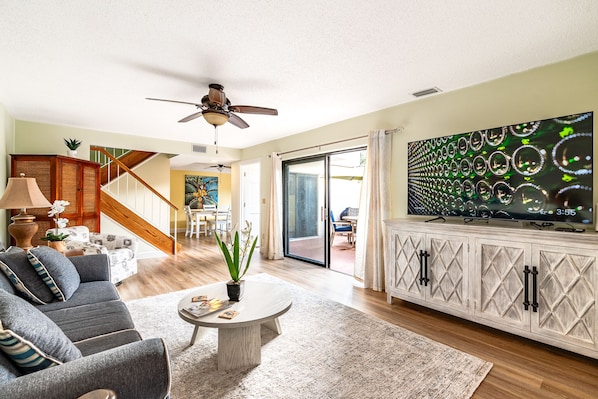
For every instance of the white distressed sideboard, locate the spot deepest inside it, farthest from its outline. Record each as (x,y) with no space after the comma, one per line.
(538,284)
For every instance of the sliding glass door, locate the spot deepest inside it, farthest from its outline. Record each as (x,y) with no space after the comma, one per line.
(321,204)
(305,210)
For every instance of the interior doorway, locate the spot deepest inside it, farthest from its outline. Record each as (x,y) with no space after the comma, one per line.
(250,196)
(321,203)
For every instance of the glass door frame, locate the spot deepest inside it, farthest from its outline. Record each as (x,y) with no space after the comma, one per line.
(326,206)
(323,211)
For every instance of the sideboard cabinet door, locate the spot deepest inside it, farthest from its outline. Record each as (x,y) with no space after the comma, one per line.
(405,264)
(567,292)
(429,269)
(448,271)
(499,284)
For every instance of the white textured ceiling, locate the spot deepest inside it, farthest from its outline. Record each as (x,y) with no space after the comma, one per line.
(90,64)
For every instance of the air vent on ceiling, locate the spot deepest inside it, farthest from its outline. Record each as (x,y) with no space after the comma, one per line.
(427,92)
(200,148)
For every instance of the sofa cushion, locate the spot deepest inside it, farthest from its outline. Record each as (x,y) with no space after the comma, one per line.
(6,284)
(86,321)
(8,370)
(56,270)
(87,293)
(29,338)
(108,341)
(25,279)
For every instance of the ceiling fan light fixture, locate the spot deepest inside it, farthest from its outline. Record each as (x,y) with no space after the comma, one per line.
(216,118)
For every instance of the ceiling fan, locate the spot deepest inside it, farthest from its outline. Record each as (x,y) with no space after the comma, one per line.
(216,108)
(220,167)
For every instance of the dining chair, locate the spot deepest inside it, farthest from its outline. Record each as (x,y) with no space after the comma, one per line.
(193,224)
(341,227)
(222,222)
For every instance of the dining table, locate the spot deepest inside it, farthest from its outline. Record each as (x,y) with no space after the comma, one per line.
(205,215)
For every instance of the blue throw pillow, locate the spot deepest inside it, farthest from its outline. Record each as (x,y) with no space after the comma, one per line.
(29,338)
(17,268)
(56,270)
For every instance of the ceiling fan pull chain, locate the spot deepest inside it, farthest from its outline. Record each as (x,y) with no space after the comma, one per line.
(216,137)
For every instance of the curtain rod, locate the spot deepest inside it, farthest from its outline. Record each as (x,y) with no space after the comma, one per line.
(399,129)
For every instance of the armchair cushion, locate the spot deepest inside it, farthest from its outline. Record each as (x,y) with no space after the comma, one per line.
(29,338)
(87,247)
(25,279)
(121,249)
(56,270)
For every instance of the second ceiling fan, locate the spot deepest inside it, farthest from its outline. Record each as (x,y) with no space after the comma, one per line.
(216,108)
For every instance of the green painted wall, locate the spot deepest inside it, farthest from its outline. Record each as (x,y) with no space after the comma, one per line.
(553,90)
(7,127)
(43,138)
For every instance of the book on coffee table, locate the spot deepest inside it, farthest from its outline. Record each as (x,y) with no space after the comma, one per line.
(203,308)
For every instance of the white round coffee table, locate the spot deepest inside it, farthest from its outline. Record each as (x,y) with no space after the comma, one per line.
(239,339)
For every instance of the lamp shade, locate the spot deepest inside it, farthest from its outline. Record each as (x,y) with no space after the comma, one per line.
(22,193)
(215,118)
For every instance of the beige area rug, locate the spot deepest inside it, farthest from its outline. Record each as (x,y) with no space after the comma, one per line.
(326,350)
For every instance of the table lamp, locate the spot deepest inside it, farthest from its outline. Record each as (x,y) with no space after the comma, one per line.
(22,193)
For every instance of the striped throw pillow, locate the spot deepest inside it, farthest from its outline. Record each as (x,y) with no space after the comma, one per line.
(24,354)
(56,270)
(23,277)
(29,338)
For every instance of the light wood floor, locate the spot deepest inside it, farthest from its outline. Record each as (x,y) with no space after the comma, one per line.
(522,368)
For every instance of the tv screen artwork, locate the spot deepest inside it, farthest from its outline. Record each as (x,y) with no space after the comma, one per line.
(536,171)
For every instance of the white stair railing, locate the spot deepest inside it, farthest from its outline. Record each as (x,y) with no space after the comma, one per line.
(137,195)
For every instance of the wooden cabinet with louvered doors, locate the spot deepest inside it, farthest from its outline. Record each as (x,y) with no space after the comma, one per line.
(65,178)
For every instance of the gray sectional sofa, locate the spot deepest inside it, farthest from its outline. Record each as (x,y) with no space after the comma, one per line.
(88,333)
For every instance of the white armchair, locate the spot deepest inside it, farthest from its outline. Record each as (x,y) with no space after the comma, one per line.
(121,250)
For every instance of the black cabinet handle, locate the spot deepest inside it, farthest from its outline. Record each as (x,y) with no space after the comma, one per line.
(426,279)
(535,289)
(421,267)
(526,272)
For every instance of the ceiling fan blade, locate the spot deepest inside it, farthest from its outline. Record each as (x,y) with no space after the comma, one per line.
(173,101)
(216,94)
(238,122)
(191,117)
(250,109)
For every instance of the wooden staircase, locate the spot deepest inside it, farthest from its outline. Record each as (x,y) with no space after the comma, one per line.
(136,224)
(123,214)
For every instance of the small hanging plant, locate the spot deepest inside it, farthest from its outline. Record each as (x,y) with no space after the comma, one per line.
(72,144)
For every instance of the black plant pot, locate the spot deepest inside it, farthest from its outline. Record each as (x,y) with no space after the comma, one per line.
(235,290)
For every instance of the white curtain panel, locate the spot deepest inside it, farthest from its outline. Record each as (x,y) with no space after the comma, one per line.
(374,208)
(273,248)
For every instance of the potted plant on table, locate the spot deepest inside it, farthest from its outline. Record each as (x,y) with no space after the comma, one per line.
(55,238)
(237,256)
(72,145)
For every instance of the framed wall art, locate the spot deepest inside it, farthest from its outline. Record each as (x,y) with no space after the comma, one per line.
(200,191)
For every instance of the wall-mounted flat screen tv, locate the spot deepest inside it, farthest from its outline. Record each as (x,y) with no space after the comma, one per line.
(534,171)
